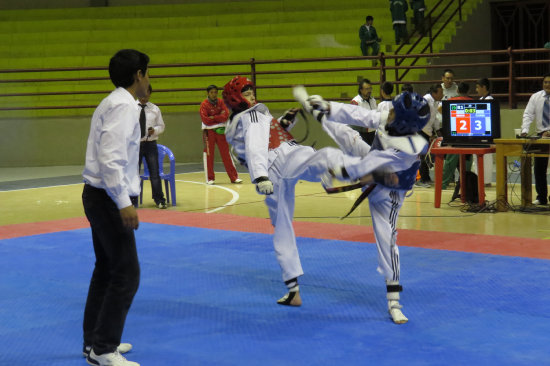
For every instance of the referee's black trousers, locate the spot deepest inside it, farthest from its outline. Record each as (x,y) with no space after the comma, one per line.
(115,279)
(149,150)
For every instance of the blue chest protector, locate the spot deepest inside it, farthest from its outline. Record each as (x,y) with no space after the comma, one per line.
(407,177)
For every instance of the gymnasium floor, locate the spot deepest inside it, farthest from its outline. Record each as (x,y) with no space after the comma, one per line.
(475,283)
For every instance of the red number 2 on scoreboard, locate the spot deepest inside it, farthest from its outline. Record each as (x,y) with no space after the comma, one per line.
(463,125)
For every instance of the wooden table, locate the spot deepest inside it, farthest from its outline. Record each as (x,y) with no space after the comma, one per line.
(525,149)
(440,152)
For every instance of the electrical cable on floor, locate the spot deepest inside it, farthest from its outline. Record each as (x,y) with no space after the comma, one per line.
(491,206)
(515,167)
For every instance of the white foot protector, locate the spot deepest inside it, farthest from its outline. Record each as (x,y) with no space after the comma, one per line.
(394,308)
(301,96)
(292,298)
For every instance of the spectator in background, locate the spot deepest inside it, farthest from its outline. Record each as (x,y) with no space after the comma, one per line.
(385,105)
(451,160)
(369,38)
(430,131)
(538,110)
(152,125)
(418,8)
(365,99)
(407,87)
(450,88)
(214,116)
(483,90)
(462,89)
(386,89)
(398,9)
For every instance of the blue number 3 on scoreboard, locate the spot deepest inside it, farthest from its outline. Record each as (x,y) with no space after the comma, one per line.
(478,125)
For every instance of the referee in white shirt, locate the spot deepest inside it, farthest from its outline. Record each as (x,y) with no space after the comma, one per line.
(111,186)
(365,99)
(538,109)
(151,125)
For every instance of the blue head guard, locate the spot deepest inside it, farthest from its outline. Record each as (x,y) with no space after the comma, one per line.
(412,112)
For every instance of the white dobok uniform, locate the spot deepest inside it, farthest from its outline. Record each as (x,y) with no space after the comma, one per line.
(266,149)
(388,154)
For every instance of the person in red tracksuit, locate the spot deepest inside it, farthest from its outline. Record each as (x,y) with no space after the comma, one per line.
(214,115)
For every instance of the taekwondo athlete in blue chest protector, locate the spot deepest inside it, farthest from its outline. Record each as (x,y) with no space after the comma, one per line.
(396,148)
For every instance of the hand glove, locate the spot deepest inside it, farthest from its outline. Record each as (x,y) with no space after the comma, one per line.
(319,104)
(264,186)
(288,117)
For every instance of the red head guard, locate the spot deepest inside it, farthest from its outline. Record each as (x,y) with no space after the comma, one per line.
(232,93)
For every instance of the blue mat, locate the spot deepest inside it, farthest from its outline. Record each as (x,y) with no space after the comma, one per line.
(207,297)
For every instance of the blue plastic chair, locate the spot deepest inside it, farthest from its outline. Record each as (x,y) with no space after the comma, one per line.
(168,178)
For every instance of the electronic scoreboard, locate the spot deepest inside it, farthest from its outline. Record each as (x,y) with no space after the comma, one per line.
(470,122)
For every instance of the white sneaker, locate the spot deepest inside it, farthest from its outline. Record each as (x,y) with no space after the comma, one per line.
(537,202)
(237,181)
(210,182)
(394,308)
(109,359)
(122,348)
(422,184)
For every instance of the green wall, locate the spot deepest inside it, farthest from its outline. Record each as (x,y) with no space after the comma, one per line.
(62,141)
(54,4)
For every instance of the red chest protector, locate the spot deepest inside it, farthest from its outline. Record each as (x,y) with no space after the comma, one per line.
(278,135)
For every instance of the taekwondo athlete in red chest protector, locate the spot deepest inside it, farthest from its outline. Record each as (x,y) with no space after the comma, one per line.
(396,148)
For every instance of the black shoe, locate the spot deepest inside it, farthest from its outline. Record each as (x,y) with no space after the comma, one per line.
(162,205)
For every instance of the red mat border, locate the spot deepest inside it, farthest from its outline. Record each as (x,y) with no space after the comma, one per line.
(473,243)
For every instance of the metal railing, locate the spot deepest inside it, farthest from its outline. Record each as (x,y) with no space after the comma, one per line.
(505,90)
(437,16)
(431,19)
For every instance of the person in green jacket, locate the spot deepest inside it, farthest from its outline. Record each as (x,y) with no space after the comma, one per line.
(398,9)
(418,8)
(369,37)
